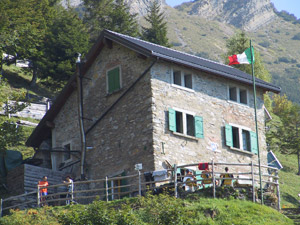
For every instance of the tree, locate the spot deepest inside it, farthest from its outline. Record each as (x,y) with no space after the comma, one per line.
(237,45)
(157,32)
(45,34)
(25,29)
(283,130)
(109,14)
(66,35)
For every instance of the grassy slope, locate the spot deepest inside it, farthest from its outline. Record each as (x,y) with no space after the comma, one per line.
(153,210)
(289,181)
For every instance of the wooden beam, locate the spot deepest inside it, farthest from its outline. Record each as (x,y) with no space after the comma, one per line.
(142,56)
(50,124)
(108,43)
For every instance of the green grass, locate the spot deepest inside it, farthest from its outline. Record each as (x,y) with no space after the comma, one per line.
(19,79)
(289,181)
(160,209)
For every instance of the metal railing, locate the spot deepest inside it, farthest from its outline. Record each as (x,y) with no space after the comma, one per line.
(112,188)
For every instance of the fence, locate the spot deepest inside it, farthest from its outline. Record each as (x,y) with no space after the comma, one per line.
(115,188)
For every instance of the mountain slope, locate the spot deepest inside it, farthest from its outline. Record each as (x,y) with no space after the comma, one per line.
(249,15)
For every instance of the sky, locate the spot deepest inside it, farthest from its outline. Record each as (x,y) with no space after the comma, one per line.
(292,6)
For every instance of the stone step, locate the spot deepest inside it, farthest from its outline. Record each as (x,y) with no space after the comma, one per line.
(292,213)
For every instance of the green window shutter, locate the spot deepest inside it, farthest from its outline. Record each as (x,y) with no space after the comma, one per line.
(253,141)
(113,77)
(172,120)
(228,135)
(199,127)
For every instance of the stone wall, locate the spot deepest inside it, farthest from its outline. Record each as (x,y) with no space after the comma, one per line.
(208,99)
(66,131)
(123,137)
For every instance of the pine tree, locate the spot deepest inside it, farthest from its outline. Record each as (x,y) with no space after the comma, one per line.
(157,32)
(109,14)
(66,36)
(122,21)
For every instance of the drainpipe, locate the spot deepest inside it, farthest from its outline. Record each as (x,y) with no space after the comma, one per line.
(80,115)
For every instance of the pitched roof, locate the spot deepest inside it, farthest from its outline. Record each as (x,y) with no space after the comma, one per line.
(149,50)
(188,60)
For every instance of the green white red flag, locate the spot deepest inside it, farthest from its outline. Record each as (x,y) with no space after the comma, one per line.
(244,58)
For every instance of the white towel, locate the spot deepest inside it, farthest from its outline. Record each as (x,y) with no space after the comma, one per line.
(160,175)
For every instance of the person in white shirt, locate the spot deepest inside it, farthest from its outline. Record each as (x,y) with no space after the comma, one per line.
(189,181)
(69,181)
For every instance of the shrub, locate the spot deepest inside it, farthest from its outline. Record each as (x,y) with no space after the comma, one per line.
(176,44)
(265,44)
(283,59)
(296,37)
(203,55)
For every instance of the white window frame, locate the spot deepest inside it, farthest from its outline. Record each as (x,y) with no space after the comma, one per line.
(182,74)
(238,90)
(107,87)
(241,128)
(63,146)
(184,121)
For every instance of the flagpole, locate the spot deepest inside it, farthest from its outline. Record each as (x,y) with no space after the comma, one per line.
(256,127)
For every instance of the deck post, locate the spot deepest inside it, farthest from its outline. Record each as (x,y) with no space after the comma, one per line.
(278,191)
(253,187)
(106,188)
(38,196)
(140,183)
(1,206)
(175,181)
(72,192)
(213,179)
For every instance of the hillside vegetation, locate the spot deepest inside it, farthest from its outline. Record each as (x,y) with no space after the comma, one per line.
(154,210)
(19,82)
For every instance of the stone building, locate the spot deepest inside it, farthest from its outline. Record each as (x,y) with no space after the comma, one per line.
(144,103)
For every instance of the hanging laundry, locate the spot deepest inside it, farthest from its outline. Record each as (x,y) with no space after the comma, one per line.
(203,166)
(160,175)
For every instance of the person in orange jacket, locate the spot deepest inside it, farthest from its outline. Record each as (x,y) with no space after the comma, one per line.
(43,191)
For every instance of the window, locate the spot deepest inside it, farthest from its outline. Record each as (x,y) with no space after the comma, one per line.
(238,95)
(67,152)
(113,79)
(185,123)
(241,138)
(182,79)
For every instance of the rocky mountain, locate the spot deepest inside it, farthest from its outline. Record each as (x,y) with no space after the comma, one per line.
(73,3)
(136,6)
(140,6)
(248,15)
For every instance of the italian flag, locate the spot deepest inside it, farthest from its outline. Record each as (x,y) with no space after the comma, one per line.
(244,58)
